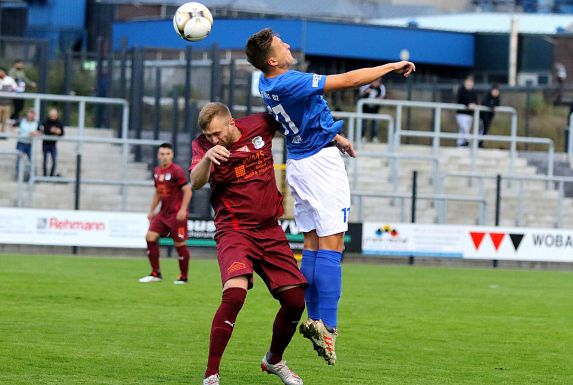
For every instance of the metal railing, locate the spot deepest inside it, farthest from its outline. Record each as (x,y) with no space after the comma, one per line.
(78,180)
(520,179)
(570,139)
(395,158)
(442,210)
(22,159)
(355,126)
(474,137)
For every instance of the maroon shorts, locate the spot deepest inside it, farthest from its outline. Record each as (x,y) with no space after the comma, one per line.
(264,251)
(169,226)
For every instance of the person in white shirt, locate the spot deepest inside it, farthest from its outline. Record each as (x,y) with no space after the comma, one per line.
(7,84)
(27,128)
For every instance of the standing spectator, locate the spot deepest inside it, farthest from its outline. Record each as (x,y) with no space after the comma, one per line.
(374,90)
(7,84)
(464,118)
(491,100)
(27,128)
(52,126)
(22,81)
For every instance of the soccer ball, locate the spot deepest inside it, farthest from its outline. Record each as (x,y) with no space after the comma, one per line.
(193,21)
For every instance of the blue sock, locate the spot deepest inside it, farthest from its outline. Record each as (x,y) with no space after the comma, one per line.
(328,281)
(310,294)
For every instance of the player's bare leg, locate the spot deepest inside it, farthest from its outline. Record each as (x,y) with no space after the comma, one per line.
(153,255)
(326,280)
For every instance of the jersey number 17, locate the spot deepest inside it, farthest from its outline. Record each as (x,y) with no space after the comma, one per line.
(284,119)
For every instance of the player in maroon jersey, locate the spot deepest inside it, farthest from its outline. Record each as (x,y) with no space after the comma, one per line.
(174,193)
(235,157)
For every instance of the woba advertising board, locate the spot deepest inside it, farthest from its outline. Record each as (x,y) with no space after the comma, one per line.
(469,242)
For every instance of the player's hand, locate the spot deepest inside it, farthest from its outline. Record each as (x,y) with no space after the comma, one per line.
(345,145)
(218,154)
(150,216)
(181,215)
(405,68)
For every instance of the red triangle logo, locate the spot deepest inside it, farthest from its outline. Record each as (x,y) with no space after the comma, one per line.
(477,238)
(496,238)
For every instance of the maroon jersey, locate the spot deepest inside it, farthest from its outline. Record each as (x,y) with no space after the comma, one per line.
(244,193)
(168,182)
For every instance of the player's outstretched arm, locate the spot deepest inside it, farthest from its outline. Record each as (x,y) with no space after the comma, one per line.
(357,78)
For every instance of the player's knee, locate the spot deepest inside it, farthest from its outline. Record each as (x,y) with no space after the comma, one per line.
(151,237)
(234,297)
(292,300)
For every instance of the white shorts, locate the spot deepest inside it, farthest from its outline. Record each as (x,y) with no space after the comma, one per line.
(321,193)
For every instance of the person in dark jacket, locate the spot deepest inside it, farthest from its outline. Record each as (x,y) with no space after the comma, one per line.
(464,118)
(52,126)
(491,100)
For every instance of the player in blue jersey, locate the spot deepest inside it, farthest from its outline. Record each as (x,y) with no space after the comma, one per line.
(315,171)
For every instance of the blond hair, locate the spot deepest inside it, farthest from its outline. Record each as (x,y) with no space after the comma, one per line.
(209,112)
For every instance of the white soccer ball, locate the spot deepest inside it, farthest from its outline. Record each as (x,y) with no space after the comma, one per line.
(193,21)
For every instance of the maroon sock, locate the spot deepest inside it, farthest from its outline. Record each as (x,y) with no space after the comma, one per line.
(153,255)
(183,252)
(222,327)
(292,306)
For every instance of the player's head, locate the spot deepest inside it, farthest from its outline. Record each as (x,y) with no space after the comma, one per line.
(165,154)
(218,125)
(2,72)
(265,50)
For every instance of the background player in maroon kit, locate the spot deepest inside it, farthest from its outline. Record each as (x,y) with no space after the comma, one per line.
(174,193)
(235,156)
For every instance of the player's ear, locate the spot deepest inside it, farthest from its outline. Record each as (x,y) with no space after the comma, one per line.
(271,61)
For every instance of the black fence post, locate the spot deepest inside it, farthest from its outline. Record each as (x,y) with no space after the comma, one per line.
(231,94)
(157,121)
(175,126)
(187,91)
(108,90)
(77,190)
(215,74)
(99,81)
(136,96)
(43,74)
(68,75)
(527,111)
(411,259)
(409,110)
(497,206)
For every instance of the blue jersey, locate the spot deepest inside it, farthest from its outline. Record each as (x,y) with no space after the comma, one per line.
(295,99)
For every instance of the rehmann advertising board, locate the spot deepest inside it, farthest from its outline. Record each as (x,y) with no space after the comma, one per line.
(469,242)
(116,229)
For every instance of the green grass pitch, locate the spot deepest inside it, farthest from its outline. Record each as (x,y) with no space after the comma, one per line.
(78,320)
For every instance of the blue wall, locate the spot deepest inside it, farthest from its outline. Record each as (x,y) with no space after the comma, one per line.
(314,38)
(62,22)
